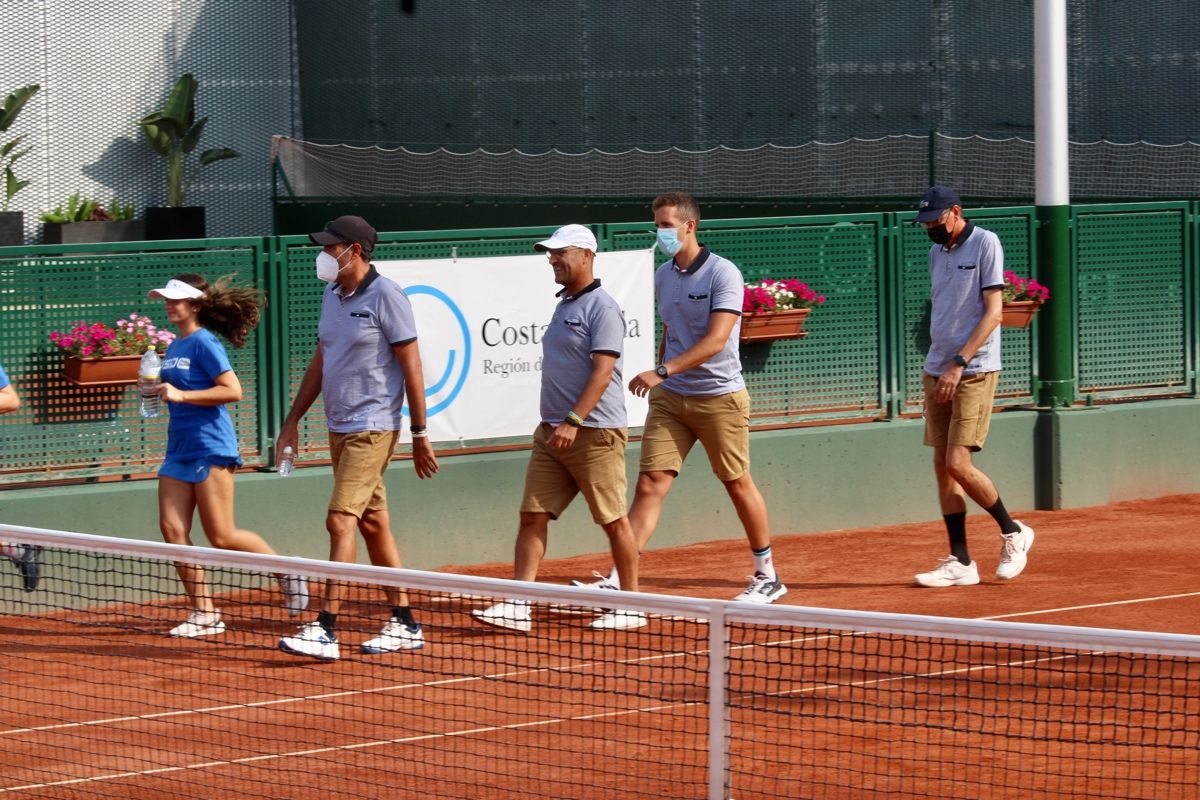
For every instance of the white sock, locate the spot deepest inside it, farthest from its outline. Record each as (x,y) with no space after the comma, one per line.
(614,576)
(763,563)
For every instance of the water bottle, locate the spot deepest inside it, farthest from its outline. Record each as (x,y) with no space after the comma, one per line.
(288,461)
(148,380)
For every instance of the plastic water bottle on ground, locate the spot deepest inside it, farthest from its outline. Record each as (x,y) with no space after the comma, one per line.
(148,380)
(288,461)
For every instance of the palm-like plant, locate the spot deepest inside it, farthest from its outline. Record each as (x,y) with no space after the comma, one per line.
(174,133)
(8,151)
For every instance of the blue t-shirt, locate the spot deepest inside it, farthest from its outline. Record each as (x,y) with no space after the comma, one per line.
(194,432)
(3,378)
(588,323)
(362,382)
(957,280)
(686,302)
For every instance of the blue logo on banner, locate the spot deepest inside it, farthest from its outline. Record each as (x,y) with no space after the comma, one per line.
(455,372)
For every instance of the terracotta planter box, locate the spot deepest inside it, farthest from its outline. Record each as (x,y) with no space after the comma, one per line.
(1018,314)
(101,371)
(772,325)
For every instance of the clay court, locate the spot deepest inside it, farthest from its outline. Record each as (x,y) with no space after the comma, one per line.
(570,712)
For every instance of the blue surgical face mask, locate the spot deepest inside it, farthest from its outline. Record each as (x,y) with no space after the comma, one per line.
(668,241)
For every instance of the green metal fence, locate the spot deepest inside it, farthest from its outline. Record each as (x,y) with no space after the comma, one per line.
(1136,305)
(63,431)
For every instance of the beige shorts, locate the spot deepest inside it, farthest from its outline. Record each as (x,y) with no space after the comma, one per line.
(593,465)
(359,461)
(675,422)
(966,418)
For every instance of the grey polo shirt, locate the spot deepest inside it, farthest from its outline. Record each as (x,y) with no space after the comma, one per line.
(957,279)
(686,299)
(362,383)
(587,323)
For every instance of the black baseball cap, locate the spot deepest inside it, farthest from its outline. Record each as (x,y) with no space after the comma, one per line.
(348,230)
(935,201)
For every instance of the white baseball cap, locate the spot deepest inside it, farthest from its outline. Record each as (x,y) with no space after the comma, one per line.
(176,290)
(569,236)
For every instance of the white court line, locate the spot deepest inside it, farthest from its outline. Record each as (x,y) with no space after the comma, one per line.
(1095,605)
(519,673)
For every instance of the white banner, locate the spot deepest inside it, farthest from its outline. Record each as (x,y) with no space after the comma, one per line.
(480,324)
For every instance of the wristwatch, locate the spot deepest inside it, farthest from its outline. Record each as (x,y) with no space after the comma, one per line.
(661,371)
(958,359)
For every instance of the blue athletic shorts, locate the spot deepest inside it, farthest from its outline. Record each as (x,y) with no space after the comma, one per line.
(194,471)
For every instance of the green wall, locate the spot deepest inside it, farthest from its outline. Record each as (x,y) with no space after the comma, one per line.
(814,479)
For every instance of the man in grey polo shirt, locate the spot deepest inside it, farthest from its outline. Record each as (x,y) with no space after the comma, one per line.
(697,391)
(580,444)
(966,276)
(366,363)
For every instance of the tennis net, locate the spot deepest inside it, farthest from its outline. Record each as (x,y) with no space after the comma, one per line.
(710,699)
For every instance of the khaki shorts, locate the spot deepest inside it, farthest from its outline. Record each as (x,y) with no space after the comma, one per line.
(675,422)
(359,460)
(965,419)
(593,465)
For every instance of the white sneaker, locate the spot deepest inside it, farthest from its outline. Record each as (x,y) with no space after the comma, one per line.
(602,582)
(199,623)
(762,590)
(1014,553)
(619,620)
(311,640)
(512,614)
(395,636)
(295,594)
(949,572)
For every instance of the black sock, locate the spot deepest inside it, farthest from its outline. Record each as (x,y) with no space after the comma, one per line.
(327,621)
(1002,518)
(956,527)
(404,614)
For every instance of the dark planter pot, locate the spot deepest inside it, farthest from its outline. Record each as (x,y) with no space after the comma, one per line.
(186,222)
(131,230)
(12,228)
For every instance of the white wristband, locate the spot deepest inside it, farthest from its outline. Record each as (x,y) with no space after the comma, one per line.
(421,435)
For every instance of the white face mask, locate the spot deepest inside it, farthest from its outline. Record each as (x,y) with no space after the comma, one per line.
(328,266)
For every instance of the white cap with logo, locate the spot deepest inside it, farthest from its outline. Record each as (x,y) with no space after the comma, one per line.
(569,236)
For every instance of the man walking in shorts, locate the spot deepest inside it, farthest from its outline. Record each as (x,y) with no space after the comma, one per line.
(697,392)
(365,364)
(580,444)
(966,275)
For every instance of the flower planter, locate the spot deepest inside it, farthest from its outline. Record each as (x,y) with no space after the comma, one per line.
(101,371)
(131,230)
(1019,313)
(771,325)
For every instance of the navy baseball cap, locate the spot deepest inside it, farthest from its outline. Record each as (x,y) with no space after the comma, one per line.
(935,202)
(348,230)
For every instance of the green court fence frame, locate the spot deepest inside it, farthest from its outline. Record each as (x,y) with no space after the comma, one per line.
(1133,325)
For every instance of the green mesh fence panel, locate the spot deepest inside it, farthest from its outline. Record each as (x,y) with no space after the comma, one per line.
(837,370)
(1015,228)
(302,290)
(1131,280)
(65,431)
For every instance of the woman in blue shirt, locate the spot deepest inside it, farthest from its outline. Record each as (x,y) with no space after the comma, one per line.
(202,451)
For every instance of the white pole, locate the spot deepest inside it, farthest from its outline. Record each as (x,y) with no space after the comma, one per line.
(1050,103)
(718,644)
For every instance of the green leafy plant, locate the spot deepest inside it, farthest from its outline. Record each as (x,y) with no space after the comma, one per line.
(174,133)
(77,210)
(119,212)
(9,153)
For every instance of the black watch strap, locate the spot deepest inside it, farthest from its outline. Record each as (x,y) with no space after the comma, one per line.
(958,359)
